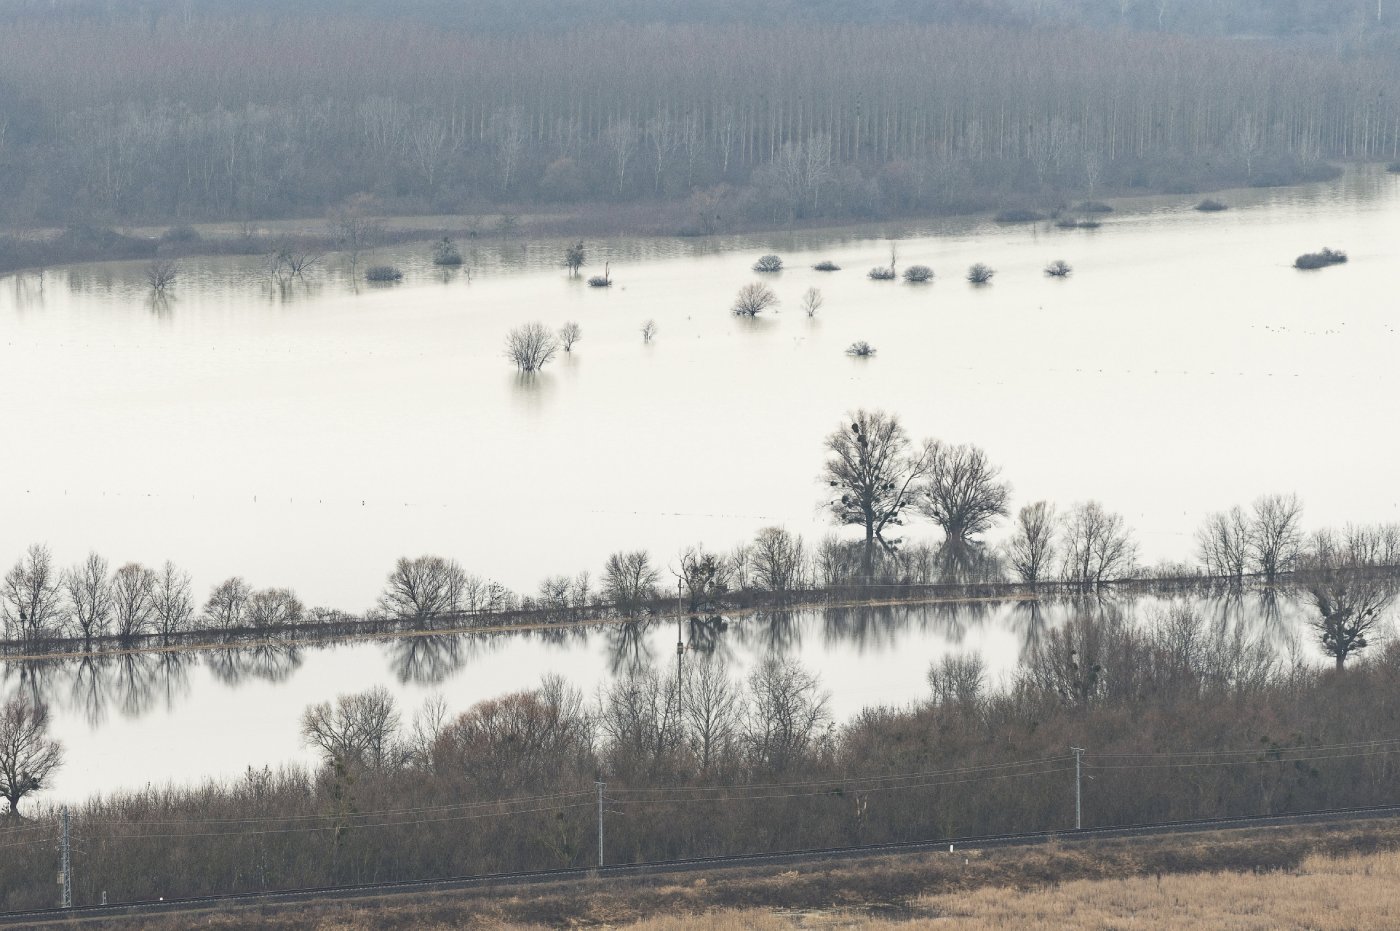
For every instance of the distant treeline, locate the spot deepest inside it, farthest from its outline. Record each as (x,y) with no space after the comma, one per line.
(1178,720)
(1352,19)
(192,117)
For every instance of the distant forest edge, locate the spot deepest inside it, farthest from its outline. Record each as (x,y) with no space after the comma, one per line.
(110,118)
(1352,19)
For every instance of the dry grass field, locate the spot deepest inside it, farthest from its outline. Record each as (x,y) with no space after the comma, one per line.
(1322,878)
(1350,893)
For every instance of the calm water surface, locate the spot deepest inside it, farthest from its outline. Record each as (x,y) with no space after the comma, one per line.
(308,436)
(129,721)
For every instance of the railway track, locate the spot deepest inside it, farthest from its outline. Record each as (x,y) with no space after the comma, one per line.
(86,913)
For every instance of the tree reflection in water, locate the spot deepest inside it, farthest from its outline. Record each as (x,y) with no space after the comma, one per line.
(627,648)
(432,659)
(89,686)
(1028,621)
(267,662)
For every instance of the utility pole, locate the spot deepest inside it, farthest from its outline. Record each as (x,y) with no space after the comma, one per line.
(680,639)
(1078,792)
(600,785)
(67,860)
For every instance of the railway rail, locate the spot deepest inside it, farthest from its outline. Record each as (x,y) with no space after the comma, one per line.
(85,913)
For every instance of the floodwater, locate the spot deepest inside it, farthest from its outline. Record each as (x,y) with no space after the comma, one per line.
(306,436)
(182,717)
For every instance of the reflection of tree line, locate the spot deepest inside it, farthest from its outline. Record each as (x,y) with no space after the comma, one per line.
(136,683)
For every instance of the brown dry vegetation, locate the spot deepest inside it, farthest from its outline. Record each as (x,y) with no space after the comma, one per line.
(1318,876)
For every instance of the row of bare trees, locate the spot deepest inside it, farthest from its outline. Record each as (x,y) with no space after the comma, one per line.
(91,602)
(878,480)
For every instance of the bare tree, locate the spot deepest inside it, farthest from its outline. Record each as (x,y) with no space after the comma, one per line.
(1275,534)
(787,717)
(161,274)
(958,680)
(133,600)
(574,257)
(1097,547)
(639,717)
(424,590)
(778,557)
(31,602)
(28,756)
(754,299)
(508,131)
(428,142)
(227,607)
(358,731)
(872,469)
(530,346)
(629,581)
(172,602)
(712,713)
(89,598)
(663,135)
(648,330)
(620,140)
(812,301)
(1031,549)
(569,334)
(1224,543)
(704,576)
(356,233)
(274,607)
(963,493)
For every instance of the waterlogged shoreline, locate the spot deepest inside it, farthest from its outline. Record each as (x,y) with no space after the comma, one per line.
(342,628)
(43,249)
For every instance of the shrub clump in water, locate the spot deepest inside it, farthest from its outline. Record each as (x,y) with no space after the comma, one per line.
(826,265)
(768,263)
(1058,269)
(383,273)
(1211,206)
(918,274)
(882,273)
(1321,259)
(445,252)
(980,274)
(860,350)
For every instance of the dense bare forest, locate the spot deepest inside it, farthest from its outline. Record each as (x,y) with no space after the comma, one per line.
(179,113)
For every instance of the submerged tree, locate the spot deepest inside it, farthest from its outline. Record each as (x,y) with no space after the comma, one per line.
(574,257)
(871,469)
(754,299)
(569,334)
(530,346)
